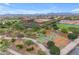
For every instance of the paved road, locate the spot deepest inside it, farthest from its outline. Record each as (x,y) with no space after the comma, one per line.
(40,45)
(69,47)
(75,51)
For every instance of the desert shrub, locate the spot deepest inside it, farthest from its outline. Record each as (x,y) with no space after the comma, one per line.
(50,43)
(19,46)
(30,49)
(13,40)
(29,42)
(72,36)
(4,44)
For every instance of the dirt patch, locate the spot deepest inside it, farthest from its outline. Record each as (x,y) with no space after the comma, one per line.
(61,42)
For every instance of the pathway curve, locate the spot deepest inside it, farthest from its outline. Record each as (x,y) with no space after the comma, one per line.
(13,52)
(69,47)
(40,45)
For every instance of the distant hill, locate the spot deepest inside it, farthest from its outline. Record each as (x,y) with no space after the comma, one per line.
(64,14)
(53,14)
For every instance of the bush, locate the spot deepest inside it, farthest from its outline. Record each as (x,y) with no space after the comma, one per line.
(4,44)
(19,46)
(54,50)
(19,26)
(29,42)
(74,30)
(50,43)
(64,30)
(13,40)
(55,26)
(72,36)
(30,49)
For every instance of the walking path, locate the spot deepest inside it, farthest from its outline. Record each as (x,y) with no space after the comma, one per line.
(40,45)
(64,51)
(69,47)
(13,52)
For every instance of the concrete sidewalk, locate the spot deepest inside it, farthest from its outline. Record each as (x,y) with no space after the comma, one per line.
(69,47)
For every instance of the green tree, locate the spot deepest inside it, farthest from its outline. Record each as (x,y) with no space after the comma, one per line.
(34,26)
(54,25)
(50,44)
(72,36)
(54,50)
(19,26)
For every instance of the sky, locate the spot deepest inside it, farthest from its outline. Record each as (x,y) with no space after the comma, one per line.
(40,8)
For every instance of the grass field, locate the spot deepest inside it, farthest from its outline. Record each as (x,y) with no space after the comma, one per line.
(66,26)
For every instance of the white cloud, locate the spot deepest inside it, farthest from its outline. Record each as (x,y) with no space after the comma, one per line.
(75,10)
(7,10)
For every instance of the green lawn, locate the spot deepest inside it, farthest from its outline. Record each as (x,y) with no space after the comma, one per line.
(66,26)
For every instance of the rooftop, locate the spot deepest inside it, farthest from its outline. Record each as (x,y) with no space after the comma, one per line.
(42,20)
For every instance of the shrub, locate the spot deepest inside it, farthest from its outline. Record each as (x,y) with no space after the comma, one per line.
(50,43)
(13,40)
(64,30)
(72,36)
(19,46)
(30,49)
(29,42)
(4,44)
(54,50)
(19,26)
(74,30)
(55,26)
